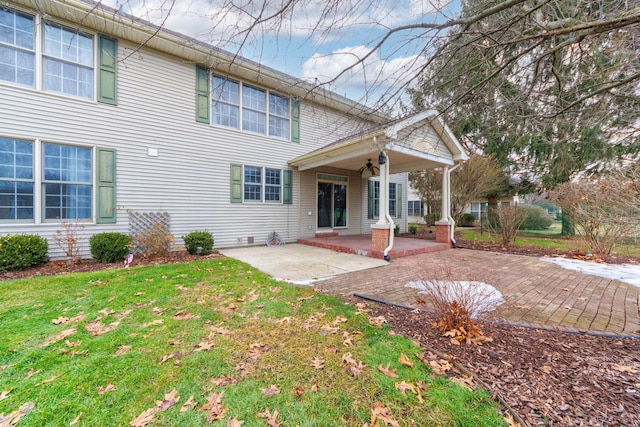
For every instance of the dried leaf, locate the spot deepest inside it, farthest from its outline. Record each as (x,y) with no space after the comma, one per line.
(219,330)
(14,417)
(60,320)
(284,320)
(3,367)
(440,367)
(183,315)
(4,394)
(144,418)
(271,418)
(317,362)
(380,413)
(299,391)
(122,350)
(105,389)
(166,357)
(32,372)
(271,391)
(332,349)
(189,404)
(403,387)
(388,372)
(48,380)
(465,382)
(623,368)
(152,323)
(214,406)
(222,380)
(98,328)
(169,401)
(234,422)
(377,321)
(404,360)
(546,369)
(510,421)
(314,387)
(339,319)
(75,420)
(62,335)
(204,346)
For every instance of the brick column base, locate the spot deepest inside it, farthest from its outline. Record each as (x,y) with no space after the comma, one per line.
(379,239)
(443,232)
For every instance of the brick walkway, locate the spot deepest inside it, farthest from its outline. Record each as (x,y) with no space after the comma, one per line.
(537,293)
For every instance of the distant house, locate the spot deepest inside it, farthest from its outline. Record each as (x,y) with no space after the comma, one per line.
(112,121)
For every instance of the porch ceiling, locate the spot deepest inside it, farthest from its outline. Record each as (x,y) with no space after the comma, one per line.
(418,142)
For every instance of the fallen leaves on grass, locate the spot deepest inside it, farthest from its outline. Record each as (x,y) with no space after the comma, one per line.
(382,414)
(59,337)
(4,394)
(464,382)
(388,372)
(404,360)
(169,401)
(122,350)
(76,420)
(184,315)
(214,407)
(317,362)
(271,418)
(98,328)
(222,380)
(440,367)
(189,404)
(377,321)
(271,391)
(48,380)
(144,418)
(166,357)
(60,320)
(204,346)
(3,367)
(353,366)
(14,417)
(234,422)
(105,389)
(153,323)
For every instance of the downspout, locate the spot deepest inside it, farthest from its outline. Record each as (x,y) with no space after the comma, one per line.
(452,223)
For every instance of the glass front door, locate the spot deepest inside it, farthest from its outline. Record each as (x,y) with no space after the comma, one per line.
(332,205)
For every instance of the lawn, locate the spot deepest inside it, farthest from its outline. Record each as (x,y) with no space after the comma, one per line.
(211,341)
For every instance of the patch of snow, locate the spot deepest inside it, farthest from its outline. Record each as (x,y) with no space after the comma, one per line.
(308,282)
(483,297)
(627,273)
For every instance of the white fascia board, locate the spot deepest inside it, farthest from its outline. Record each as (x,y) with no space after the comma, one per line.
(392,131)
(431,157)
(328,160)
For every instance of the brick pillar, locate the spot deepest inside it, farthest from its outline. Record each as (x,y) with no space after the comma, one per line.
(379,238)
(443,232)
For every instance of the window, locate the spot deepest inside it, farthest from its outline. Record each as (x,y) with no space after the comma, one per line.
(415,208)
(17,48)
(16,179)
(240,106)
(67,183)
(257,184)
(272,185)
(254,109)
(279,116)
(226,102)
(68,61)
(394,195)
(477,208)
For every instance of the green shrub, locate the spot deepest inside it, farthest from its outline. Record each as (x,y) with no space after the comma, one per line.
(19,251)
(109,247)
(198,239)
(431,218)
(413,228)
(537,218)
(467,220)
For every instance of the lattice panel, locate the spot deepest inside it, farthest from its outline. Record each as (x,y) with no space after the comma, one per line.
(143,223)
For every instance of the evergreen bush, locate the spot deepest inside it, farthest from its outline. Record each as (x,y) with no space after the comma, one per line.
(198,239)
(20,251)
(109,247)
(537,218)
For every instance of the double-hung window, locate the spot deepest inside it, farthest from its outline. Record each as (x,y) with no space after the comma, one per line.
(17,48)
(16,179)
(252,184)
(226,102)
(415,208)
(68,61)
(394,195)
(67,183)
(272,185)
(254,109)
(248,108)
(262,184)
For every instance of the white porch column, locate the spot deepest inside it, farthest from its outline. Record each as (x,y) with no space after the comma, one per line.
(383,200)
(446,196)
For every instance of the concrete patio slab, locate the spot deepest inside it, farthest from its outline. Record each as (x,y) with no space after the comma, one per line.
(301,264)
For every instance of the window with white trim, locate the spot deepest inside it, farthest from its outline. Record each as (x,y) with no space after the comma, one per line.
(241,106)
(262,184)
(415,208)
(16,179)
(68,61)
(67,182)
(17,48)
(392,194)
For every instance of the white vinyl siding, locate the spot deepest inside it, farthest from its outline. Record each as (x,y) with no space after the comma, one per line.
(17,48)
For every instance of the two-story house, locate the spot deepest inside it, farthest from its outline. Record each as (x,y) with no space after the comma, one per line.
(104,116)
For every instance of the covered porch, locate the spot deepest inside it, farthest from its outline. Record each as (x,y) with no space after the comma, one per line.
(361,244)
(374,163)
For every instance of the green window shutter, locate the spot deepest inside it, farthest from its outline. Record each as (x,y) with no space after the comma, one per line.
(370,199)
(287,187)
(398,200)
(295,121)
(202,94)
(236,183)
(106,186)
(107,66)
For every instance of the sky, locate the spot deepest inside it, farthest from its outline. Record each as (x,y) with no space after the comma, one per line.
(303,44)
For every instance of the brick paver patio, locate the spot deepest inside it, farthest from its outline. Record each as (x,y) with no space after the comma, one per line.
(537,293)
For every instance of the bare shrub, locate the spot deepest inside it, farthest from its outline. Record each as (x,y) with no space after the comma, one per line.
(68,238)
(605,211)
(154,241)
(509,219)
(458,305)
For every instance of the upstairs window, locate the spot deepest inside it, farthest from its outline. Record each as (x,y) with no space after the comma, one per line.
(279,116)
(226,104)
(68,61)
(254,109)
(17,48)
